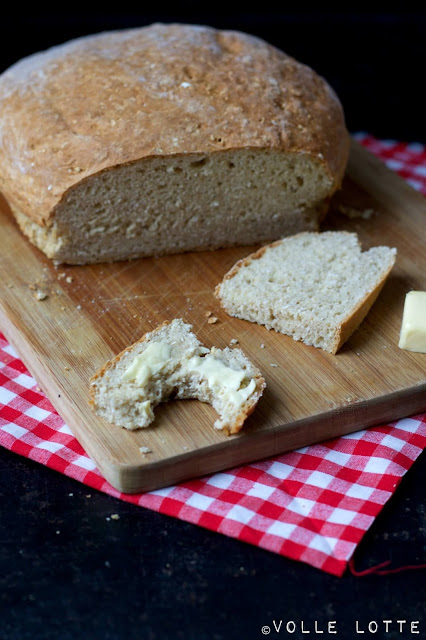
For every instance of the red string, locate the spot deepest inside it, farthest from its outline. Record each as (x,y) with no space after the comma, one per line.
(376,570)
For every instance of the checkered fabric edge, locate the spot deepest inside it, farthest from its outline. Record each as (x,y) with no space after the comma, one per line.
(407,159)
(313,505)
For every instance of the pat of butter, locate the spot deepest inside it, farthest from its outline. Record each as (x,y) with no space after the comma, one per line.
(413,329)
(221,377)
(149,362)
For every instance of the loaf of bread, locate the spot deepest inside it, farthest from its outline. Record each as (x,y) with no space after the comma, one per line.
(170,362)
(315,287)
(164,139)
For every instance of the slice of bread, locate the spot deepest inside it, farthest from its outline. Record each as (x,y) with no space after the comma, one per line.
(315,287)
(170,362)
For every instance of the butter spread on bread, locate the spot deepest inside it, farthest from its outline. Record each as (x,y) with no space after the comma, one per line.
(170,362)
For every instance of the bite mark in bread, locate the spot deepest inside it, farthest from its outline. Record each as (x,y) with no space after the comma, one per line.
(170,362)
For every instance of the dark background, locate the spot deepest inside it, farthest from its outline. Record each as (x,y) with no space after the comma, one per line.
(148,576)
(374,57)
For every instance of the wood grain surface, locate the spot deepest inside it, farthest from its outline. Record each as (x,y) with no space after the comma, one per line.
(93,312)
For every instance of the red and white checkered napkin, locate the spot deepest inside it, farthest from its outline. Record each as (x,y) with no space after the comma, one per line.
(313,505)
(408,160)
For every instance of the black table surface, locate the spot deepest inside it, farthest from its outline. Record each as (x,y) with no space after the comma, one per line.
(67,570)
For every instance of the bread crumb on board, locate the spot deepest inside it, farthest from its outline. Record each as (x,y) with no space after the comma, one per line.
(39,294)
(212,320)
(353,212)
(145,450)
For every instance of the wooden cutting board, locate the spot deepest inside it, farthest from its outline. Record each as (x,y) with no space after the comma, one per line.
(93,312)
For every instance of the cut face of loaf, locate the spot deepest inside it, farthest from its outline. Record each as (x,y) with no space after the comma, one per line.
(315,287)
(165,139)
(170,362)
(184,203)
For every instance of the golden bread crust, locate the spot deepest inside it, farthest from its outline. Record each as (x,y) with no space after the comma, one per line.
(114,98)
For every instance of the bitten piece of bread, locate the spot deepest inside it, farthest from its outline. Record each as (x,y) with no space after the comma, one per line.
(315,287)
(170,362)
(163,139)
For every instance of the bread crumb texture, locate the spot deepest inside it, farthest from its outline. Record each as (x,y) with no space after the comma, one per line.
(315,287)
(165,139)
(170,362)
(144,450)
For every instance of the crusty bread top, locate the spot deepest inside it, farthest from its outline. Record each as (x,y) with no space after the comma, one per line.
(112,98)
